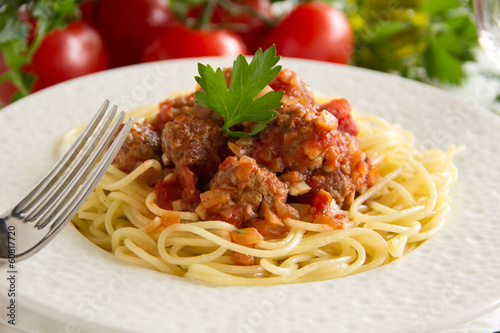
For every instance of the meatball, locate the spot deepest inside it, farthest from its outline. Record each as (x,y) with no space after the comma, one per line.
(184,104)
(296,91)
(195,143)
(244,194)
(306,148)
(141,144)
(345,171)
(294,140)
(192,142)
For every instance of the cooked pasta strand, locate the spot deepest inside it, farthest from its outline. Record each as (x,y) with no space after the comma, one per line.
(407,206)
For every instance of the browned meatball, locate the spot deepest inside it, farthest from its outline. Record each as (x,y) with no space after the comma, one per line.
(244,194)
(295,140)
(185,104)
(296,91)
(142,144)
(345,171)
(191,141)
(196,143)
(305,147)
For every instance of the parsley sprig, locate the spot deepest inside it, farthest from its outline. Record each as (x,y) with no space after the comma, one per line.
(23,24)
(426,40)
(238,103)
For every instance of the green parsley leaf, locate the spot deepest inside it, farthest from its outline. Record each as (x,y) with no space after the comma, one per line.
(13,29)
(16,48)
(434,7)
(441,64)
(238,103)
(426,40)
(242,231)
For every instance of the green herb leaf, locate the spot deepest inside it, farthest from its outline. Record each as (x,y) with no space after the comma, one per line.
(242,231)
(427,40)
(441,64)
(16,48)
(238,103)
(434,7)
(13,30)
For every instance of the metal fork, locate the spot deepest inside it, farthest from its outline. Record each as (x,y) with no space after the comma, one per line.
(32,223)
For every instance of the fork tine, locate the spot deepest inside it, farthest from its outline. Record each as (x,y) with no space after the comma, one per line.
(63,216)
(75,175)
(72,206)
(62,163)
(65,176)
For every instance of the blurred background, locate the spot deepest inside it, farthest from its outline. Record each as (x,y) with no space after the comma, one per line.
(45,42)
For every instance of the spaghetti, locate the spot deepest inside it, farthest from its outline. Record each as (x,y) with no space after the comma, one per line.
(406,206)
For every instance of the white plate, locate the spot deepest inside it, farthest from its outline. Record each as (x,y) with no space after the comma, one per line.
(450,279)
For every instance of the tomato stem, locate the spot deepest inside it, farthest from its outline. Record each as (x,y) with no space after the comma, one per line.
(15,72)
(206,15)
(4,76)
(245,9)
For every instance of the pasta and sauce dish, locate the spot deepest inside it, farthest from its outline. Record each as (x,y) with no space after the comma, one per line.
(319,192)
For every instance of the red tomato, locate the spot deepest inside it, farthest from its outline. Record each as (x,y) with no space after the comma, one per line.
(88,10)
(182,42)
(313,30)
(63,54)
(126,25)
(66,53)
(248,26)
(245,24)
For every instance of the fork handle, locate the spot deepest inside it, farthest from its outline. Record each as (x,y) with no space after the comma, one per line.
(4,240)
(16,237)
(7,240)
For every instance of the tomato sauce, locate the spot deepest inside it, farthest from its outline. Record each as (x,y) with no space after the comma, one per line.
(166,193)
(341,109)
(307,154)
